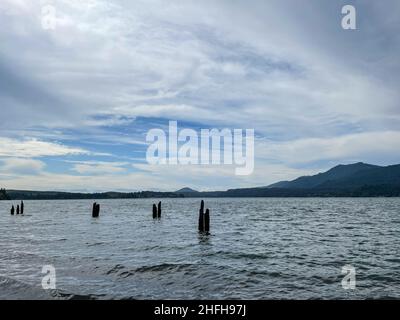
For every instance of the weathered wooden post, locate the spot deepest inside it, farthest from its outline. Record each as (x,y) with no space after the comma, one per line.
(207,221)
(159,210)
(12,210)
(201,217)
(204,219)
(22,207)
(18,209)
(95,210)
(154,211)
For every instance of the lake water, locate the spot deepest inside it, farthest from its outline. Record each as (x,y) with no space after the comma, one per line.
(258,249)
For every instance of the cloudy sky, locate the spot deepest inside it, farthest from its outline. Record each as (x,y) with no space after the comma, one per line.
(77,101)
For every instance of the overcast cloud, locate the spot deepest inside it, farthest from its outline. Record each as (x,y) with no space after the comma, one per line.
(77,101)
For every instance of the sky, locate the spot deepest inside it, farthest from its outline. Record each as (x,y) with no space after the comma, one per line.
(77,100)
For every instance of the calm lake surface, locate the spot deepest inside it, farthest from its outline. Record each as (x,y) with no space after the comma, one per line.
(258,249)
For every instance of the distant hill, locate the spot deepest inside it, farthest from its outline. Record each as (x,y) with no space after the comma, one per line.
(336,174)
(186,190)
(389,176)
(353,180)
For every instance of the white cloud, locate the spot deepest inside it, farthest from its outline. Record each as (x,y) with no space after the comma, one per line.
(30,148)
(352,147)
(221,177)
(164,178)
(95,168)
(12,166)
(187,59)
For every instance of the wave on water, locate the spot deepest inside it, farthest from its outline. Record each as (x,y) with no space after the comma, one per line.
(123,272)
(11,289)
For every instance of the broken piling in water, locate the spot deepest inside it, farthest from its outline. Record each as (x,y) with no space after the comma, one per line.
(204,219)
(155,213)
(201,217)
(207,221)
(22,207)
(12,211)
(96,210)
(157,210)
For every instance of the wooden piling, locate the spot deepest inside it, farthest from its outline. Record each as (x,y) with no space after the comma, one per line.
(22,207)
(204,219)
(201,217)
(207,221)
(12,210)
(154,211)
(159,210)
(95,210)
(18,209)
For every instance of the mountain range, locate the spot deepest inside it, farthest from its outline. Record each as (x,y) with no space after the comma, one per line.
(358,179)
(353,180)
